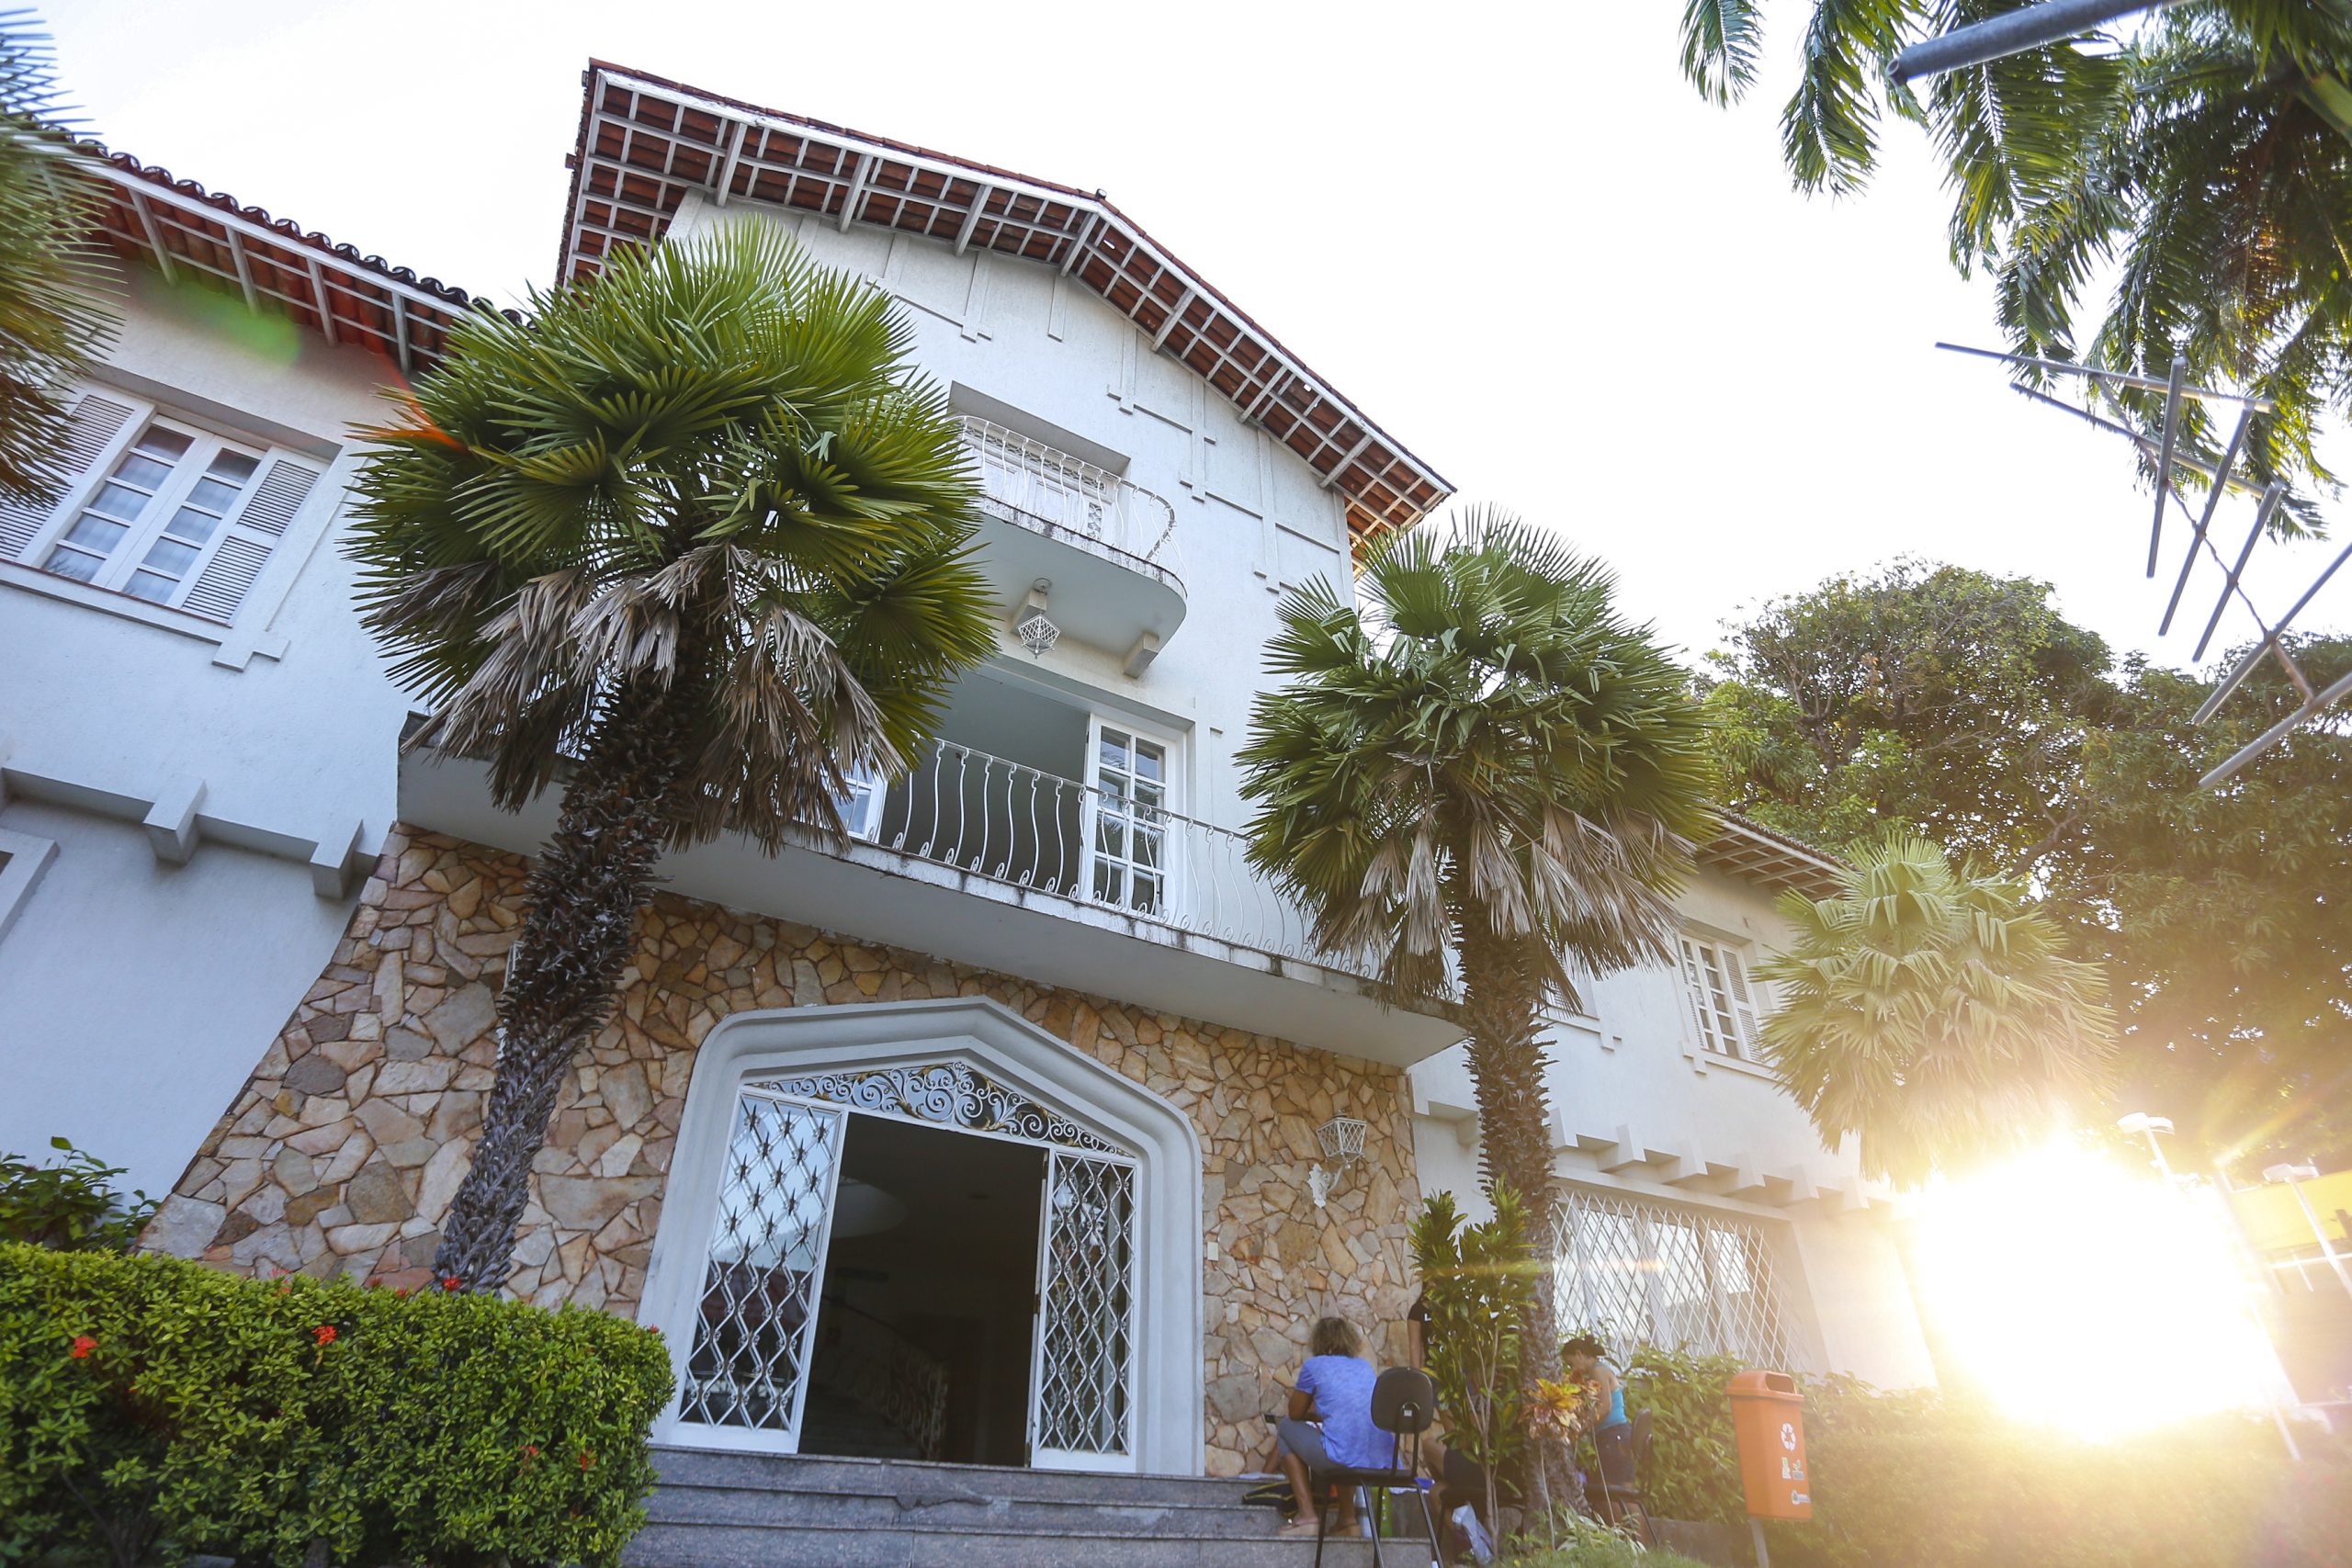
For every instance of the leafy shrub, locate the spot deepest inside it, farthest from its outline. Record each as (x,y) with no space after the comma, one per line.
(1477,1282)
(1929,1481)
(70,1204)
(1949,1483)
(150,1404)
(1575,1543)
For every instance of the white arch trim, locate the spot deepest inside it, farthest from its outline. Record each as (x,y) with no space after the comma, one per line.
(1170,1436)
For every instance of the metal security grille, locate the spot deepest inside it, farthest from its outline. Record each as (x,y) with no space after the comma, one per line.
(1086,1329)
(1644,1274)
(750,1362)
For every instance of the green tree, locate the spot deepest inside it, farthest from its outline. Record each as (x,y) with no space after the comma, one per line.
(695,542)
(1476,765)
(2203,161)
(2221,913)
(52,320)
(1478,1284)
(1932,698)
(1931,1015)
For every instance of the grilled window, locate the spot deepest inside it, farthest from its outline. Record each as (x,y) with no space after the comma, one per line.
(1644,1273)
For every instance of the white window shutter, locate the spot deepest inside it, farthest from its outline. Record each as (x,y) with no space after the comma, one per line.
(1743,1004)
(1702,1004)
(91,428)
(247,540)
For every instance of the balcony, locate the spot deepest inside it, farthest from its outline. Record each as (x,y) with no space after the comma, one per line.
(1107,548)
(977,858)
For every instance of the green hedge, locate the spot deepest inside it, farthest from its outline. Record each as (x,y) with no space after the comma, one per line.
(150,1408)
(1924,1481)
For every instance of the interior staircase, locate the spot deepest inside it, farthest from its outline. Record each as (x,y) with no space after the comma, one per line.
(724,1510)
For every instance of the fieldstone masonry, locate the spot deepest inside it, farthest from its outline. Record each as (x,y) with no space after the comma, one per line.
(344,1149)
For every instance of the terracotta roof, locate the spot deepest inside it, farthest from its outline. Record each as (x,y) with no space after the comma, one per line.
(646,142)
(179,226)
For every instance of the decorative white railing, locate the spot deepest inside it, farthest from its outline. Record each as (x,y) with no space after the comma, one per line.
(1067,497)
(1094,847)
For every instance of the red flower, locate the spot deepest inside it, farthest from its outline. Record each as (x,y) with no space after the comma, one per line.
(399,1292)
(654,1329)
(530,1452)
(450,1282)
(323,1334)
(586,1459)
(83,1346)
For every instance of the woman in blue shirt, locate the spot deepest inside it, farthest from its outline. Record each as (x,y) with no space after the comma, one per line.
(1335,1389)
(1612,1434)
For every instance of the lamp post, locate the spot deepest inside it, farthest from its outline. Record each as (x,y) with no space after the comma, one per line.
(2141,1121)
(2294,1175)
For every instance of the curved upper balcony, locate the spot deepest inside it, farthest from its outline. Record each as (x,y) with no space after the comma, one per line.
(1107,548)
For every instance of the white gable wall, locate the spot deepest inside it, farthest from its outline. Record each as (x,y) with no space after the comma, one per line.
(146,970)
(1251,516)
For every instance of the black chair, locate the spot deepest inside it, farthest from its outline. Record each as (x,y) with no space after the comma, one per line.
(1404,1403)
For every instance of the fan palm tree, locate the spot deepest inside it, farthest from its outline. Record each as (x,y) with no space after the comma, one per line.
(1477,767)
(51,318)
(693,540)
(1929,1014)
(2202,158)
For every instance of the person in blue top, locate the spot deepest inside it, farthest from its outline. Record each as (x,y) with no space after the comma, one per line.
(1613,1434)
(1334,1388)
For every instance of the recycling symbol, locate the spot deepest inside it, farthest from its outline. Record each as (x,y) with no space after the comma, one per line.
(1788,1436)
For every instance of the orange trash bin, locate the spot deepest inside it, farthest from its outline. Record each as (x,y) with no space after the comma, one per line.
(1767,1422)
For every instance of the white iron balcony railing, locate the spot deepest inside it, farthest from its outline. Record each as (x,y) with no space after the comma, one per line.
(1119,850)
(1069,498)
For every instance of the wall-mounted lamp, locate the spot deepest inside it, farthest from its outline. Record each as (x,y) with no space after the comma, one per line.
(1342,1141)
(1037,632)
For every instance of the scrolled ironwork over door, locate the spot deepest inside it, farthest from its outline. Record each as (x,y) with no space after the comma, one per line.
(747,1376)
(1082,1412)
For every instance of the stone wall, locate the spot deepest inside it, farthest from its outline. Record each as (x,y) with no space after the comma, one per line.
(344,1149)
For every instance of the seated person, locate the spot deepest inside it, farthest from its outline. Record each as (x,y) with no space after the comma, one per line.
(1334,1388)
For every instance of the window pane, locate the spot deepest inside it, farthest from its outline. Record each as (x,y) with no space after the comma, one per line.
(147,473)
(168,444)
(212,495)
(194,526)
(71,563)
(170,555)
(147,585)
(1114,751)
(1149,760)
(119,500)
(95,532)
(234,466)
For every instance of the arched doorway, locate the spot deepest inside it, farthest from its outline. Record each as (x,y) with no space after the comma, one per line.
(754,1205)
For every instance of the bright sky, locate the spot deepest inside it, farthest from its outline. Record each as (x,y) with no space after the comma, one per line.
(1510,233)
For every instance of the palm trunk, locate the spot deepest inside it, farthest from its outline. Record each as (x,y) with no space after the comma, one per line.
(563,977)
(1502,1002)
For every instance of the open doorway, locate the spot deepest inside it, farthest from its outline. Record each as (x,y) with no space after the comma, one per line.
(924,1337)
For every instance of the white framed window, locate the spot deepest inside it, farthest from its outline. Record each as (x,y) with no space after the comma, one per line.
(1128,802)
(161,508)
(1723,998)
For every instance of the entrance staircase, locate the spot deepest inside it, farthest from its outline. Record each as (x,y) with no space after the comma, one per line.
(723,1510)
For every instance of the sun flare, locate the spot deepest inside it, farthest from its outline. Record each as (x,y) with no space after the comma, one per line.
(2082,1295)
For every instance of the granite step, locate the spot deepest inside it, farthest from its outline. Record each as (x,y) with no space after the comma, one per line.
(737,1510)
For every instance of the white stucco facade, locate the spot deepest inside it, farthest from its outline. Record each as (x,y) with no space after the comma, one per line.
(1644,1113)
(189,805)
